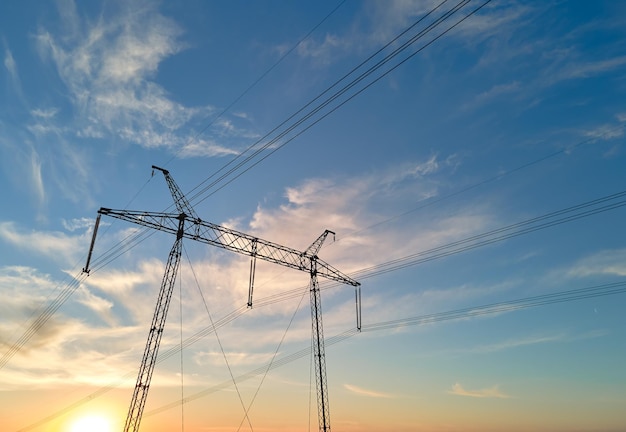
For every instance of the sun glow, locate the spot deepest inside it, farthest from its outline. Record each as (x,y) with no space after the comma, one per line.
(92,423)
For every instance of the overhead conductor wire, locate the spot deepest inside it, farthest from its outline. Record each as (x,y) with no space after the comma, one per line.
(327,114)
(568,214)
(142,234)
(464,313)
(310,115)
(135,238)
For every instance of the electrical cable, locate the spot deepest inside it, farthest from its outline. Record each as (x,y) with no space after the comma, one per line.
(140,236)
(117,251)
(309,126)
(312,101)
(40,321)
(427,202)
(506,306)
(114,254)
(568,214)
(16,346)
(329,100)
(514,305)
(45,313)
(500,234)
(251,86)
(364,274)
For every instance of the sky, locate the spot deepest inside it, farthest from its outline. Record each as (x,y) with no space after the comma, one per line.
(470,163)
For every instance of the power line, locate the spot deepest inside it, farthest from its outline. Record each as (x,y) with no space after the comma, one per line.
(132,246)
(555,218)
(568,214)
(585,209)
(140,236)
(335,97)
(430,202)
(494,308)
(257,81)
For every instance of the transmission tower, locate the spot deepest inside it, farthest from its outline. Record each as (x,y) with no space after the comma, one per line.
(186,224)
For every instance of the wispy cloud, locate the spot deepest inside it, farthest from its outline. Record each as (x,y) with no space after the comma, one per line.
(235,358)
(559,65)
(493,19)
(204,148)
(608,263)
(124,296)
(109,67)
(58,246)
(608,131)
(381,21)
(491,392)
(365,392)
(321,51)
(495,92)
(36,179)
(101,306)
(76,224)
(592,68)
(23,288)
(517,343)
(11,67)
(88,345)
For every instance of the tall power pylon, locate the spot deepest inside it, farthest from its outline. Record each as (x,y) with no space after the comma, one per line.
(187,224)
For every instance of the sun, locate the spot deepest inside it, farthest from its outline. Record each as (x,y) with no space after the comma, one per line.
(92,423)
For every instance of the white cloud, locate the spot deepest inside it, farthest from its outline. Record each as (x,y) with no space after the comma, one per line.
(563,64)
(365,392)
(101,306)
(36,178)
(44,113)
(516,343)
(71,349)
(605,132)
(204,148)
(69,345)
(428,167)
(382,21)
(592,68)
(355,205)
(133,291)
(494,92)
(109,68)
(11,66)
(23,289)
(607,263)
(76,224)
(55,245)
(492,20)
(125,297)
(321,51)
(492,392)
(214,358)
(14,77)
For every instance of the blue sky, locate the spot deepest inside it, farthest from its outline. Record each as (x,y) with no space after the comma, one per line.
(515,113)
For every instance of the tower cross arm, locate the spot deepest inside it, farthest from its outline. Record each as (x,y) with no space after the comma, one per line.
(232,240)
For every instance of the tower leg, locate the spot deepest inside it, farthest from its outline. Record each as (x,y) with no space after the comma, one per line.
(319,353)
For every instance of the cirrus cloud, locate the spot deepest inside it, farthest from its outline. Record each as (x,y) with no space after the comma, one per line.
(491,392)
